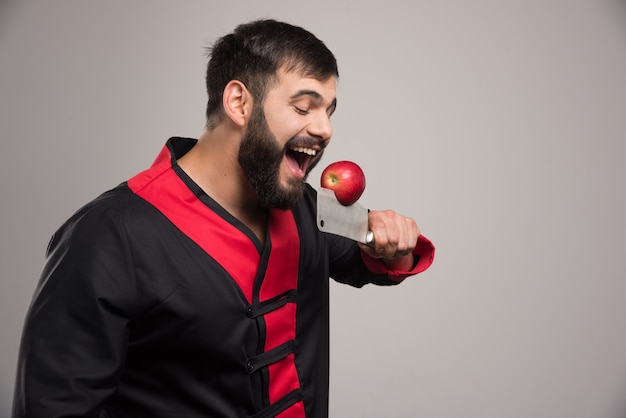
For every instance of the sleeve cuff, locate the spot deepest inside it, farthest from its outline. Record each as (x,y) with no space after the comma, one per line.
(424,253)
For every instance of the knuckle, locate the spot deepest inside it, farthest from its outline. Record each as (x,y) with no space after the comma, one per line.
(389,213)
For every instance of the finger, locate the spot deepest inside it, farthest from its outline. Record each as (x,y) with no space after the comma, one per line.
(409,234)
(391,231)
(406,236)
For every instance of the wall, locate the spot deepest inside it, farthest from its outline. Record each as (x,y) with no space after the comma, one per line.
(498,125)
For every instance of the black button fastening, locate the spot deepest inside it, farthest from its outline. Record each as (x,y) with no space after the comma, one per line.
(250,366)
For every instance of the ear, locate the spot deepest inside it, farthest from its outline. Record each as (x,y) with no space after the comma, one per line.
(237,102)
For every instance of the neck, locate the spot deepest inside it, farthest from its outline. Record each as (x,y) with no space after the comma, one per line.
(213,165)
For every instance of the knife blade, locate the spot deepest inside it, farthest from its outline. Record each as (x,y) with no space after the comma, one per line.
(347,221)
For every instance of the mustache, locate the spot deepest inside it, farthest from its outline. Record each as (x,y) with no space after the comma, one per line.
(305,141)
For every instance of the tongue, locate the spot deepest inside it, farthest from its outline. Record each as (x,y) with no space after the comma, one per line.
(295,163)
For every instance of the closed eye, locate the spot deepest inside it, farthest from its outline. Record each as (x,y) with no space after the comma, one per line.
(301,111)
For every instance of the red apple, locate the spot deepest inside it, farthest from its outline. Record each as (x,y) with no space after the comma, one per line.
(346,179)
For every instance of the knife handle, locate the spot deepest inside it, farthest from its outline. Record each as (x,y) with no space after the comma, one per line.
(369,239)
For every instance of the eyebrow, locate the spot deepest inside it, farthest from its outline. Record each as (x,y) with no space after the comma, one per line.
(316,96)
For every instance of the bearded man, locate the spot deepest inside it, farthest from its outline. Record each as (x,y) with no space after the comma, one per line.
(199,287)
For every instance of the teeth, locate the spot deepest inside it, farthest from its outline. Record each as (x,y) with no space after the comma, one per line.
(307,151)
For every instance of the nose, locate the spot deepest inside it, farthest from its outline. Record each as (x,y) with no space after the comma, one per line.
(321,127)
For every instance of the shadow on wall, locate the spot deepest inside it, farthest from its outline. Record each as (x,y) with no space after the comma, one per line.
(7,7)
(621,6)
(620,398)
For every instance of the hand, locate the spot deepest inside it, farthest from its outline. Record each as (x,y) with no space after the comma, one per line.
(395,237)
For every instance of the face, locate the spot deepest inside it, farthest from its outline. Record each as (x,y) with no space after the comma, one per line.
(285,139)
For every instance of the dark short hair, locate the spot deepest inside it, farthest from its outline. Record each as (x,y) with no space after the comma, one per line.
(255,52)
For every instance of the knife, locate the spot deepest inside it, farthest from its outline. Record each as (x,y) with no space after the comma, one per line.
(347,221)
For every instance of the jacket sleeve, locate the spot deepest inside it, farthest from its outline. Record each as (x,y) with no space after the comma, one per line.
(423,254)
(76,329)
(349,265)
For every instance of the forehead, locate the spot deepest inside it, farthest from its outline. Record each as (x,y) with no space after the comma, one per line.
(291,82)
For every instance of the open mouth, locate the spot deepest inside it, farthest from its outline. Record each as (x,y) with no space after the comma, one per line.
(299,158)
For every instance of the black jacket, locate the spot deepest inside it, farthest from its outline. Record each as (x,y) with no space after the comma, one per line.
(156,302)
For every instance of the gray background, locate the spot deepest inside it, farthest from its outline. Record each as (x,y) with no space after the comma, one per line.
(498,125)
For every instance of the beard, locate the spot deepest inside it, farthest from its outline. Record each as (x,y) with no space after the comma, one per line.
(260,156)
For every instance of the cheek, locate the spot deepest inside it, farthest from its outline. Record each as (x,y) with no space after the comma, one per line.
(284,125)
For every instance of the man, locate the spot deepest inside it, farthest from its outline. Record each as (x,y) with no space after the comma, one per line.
(199,287)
